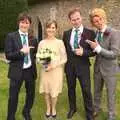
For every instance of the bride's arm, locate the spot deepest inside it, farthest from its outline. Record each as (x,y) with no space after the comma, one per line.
(63,56)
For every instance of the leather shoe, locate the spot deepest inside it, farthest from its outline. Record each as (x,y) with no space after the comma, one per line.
(54,116)
(70,114)
(27,116)
(47,116)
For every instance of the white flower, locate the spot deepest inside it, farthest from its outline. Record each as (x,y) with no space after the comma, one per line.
(45,53)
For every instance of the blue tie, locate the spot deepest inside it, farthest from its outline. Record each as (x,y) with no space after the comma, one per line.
(25,43)
(76,39)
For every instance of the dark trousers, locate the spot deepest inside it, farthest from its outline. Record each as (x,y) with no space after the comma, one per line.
(14,90)
(83,74)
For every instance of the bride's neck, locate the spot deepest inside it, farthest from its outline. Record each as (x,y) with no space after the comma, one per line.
(50,38)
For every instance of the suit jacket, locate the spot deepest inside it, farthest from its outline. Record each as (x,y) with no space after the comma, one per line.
(13,45)
(87,51)
(106,60)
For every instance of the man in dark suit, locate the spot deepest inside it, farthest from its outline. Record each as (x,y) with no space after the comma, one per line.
(77,66)
(20,50)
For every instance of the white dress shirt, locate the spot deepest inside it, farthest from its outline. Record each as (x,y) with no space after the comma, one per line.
(28,65)
(80,31)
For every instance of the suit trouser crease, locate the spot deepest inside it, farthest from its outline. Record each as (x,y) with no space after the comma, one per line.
(71,83)
(87,96)
(98,88)
(110,83)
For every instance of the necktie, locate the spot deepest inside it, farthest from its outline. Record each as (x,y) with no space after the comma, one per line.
(25,43)
(100,38)
(76,39)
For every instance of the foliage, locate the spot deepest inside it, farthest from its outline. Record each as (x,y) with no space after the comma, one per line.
(32,2)
(9,10)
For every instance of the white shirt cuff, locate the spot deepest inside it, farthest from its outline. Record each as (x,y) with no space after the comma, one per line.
(98,49)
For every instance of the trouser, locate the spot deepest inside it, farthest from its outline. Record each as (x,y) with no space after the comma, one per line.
(14,90)
(110,84)
(83,76)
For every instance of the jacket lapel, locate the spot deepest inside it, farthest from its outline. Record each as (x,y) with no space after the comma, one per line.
(83,36)
(106,35)
(18,39)
(69,37)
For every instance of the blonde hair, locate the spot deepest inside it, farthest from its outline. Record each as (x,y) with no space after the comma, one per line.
(98,12)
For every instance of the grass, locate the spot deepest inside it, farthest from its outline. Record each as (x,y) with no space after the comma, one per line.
(39,105)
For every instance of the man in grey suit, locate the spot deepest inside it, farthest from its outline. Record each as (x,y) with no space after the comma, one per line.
(106,46)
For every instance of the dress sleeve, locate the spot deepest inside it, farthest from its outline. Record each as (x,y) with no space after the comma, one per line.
(63,56)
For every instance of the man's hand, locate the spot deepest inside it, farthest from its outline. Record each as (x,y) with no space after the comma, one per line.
(79,51)
(92,44)
(95,46)
(49,67)
(26,49)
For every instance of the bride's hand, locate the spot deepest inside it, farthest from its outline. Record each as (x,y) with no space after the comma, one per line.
(49,67)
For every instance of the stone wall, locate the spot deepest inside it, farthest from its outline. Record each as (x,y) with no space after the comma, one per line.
(58,9)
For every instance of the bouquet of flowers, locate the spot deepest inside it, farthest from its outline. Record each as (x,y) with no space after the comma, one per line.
(44,56)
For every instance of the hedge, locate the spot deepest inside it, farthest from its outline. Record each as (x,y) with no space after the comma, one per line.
(9,10)
(32,2)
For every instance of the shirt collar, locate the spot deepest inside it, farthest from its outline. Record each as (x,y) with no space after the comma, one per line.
(22,33)
(80,29)
(104,28)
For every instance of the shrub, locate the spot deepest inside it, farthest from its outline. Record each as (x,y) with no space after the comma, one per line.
(32,2)
(9,10)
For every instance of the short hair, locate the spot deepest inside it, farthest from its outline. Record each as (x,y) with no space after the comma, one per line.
(24,16)
(73,11)
(98,12)
(50,22)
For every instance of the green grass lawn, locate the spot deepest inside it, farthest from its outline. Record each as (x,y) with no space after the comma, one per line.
(39,105)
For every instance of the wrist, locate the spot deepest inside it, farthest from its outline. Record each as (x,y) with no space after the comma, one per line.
(98,49)
(22,53)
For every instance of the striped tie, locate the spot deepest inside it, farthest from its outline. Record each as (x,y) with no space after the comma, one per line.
(25,43)
(76,39)
(100,37)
